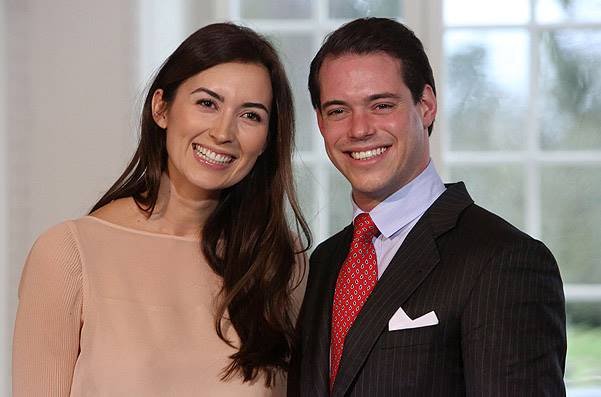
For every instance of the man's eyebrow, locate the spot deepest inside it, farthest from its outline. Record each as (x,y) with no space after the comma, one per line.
(211,93)
(382,95)
(332,102)
(370,98)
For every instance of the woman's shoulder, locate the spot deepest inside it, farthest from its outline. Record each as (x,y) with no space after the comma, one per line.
(59,235)
(67,234)
(122,212)
(55,251)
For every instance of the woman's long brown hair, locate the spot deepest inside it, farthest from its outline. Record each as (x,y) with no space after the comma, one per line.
(247,239)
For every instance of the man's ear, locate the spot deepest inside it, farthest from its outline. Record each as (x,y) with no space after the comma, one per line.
(428,106)
(159,109)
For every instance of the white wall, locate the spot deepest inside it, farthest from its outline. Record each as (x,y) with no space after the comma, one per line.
(5,307)
(69,118)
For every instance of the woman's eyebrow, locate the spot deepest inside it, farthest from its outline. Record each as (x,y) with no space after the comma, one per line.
(220,98)
(255,105)
(210,92)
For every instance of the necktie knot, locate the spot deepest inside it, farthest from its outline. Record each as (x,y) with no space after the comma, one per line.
(364,228)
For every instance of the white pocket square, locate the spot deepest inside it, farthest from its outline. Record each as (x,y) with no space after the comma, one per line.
(400,320)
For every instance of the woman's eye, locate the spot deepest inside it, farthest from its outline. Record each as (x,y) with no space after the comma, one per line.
(207,103)
(252,116)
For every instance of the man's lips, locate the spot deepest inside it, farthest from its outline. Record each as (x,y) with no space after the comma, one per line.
(368,154)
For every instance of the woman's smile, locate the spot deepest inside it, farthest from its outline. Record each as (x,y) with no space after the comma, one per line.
(206,155)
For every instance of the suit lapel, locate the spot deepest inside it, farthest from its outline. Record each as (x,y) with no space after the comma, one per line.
(413,262)
(410,266)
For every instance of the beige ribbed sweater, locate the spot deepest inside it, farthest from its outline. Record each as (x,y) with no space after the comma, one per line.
(106,310)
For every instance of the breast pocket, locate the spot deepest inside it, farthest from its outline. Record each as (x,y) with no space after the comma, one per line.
(422,336)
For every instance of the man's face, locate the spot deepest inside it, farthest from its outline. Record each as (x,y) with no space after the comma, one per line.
(373,131)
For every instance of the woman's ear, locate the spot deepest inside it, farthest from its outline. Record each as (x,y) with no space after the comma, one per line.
(159,109)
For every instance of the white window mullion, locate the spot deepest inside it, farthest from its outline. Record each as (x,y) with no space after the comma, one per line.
(320,11)
(531,165)
(226,10)
(156,44)
(321,21)
(582,292)
(513,26)
(426,19)
(591,157)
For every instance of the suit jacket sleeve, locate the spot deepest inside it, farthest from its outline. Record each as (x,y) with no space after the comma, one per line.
(513,325)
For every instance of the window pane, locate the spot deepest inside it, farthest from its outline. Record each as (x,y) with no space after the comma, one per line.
(583,366)
(485,95)
(297,51)
(363,8)
(498,188)
(479,12)
(571,217)
(264,9)
(570,89)
(572,10)
(341,209)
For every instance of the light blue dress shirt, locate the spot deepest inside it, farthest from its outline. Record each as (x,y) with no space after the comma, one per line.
(399,212)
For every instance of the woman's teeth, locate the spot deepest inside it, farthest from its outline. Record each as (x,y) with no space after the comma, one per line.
(368,154)
(210,156)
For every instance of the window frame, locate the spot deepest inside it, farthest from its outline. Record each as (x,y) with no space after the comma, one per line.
(532,157)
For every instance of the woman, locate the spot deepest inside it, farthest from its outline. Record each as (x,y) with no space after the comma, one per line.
(178,282)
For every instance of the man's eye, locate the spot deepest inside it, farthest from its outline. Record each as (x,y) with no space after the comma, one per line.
(252,116)
(383,106)
(335,112)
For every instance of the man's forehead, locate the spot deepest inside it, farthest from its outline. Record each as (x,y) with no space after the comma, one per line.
(359,76)
(360,59)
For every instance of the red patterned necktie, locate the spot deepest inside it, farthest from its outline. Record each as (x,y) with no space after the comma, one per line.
(356,280)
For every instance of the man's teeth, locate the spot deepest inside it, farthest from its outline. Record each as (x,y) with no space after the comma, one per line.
(211,156)
(368,154)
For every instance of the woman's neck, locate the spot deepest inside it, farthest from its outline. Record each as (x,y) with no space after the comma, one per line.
(178,215)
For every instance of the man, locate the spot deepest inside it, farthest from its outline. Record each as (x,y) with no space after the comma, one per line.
(427,294)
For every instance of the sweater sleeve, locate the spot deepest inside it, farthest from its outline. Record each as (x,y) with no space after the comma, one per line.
(48,323)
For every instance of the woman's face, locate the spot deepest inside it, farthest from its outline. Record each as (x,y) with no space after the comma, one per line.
(216,126)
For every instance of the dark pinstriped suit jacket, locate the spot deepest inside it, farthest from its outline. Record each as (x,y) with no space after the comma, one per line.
(497,294)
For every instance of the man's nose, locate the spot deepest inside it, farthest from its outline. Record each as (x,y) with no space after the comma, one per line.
(361,127)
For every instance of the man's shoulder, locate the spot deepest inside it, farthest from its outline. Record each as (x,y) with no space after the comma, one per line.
(478,223)
(480,233)
(469,221)
(483,240)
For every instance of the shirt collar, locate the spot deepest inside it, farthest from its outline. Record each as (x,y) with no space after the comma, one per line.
(407,203)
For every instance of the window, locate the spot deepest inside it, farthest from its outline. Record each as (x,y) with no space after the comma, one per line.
(521,93)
